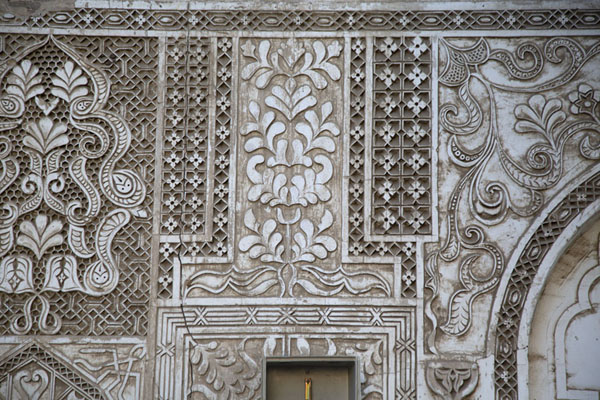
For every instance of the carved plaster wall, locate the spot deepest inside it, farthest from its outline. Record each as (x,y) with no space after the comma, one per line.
(564,328)
(189,188)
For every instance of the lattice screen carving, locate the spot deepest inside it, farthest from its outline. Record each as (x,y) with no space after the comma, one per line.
(184,192)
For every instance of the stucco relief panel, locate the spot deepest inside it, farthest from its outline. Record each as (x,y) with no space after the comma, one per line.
(281,218)
(301,224)
(296,193)
(75,203)
(287,179)
(221,348)
(54,370)
(518,119)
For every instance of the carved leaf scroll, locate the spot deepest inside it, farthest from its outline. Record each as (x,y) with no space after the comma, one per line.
(490,195)
(225,374)
(57,231)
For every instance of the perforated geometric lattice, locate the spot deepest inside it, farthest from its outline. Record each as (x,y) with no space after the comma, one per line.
(131,65)
(390,118)
(320,20)
(195,211)
(53,377)
(401,137)
(185,150)
(185,191)
(522,277)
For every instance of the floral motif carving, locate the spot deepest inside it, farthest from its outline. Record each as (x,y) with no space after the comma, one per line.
(297,62)
(231,369)
(290,140)
(224,373)
(338,207)
(50,225)
(383,339)
(541,120)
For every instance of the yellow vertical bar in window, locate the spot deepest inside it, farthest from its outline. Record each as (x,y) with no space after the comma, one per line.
(307,387)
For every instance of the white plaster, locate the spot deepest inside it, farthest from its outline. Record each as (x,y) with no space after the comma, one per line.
(213,293)
(537,287)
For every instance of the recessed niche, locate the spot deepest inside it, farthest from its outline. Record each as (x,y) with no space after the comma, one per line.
(332,378)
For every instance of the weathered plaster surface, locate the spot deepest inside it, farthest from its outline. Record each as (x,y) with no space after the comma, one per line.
(553,351)
(189,188)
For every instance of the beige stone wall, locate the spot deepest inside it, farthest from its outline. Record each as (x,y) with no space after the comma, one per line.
(189,189)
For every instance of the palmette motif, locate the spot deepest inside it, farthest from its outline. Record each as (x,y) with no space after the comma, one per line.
(453,380)
(490,201)
(297,193)
(48,230)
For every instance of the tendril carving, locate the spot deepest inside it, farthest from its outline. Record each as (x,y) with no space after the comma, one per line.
(541,118)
